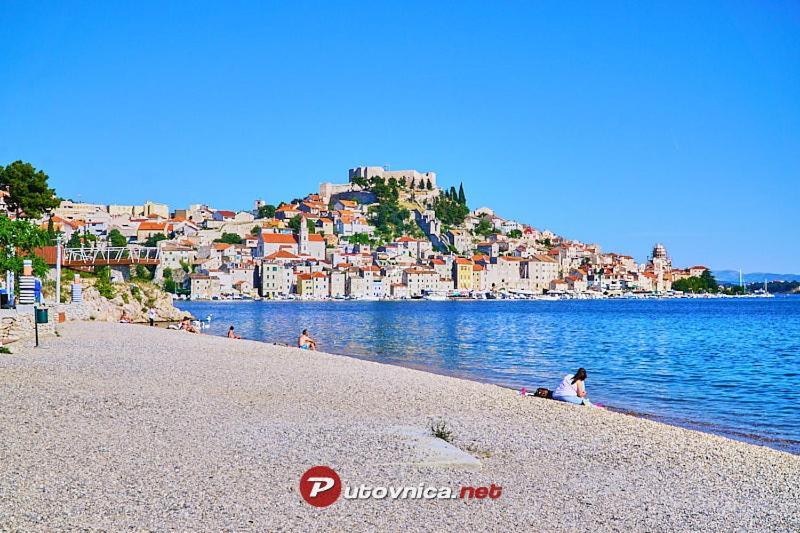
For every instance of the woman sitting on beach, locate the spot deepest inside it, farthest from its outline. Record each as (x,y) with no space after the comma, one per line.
(186,325)
(305,341)
(572,389)
(232,334)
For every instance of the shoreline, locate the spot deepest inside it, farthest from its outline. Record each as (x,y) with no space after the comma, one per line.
(749,434)
(683,423)
(538,298)
(111,427)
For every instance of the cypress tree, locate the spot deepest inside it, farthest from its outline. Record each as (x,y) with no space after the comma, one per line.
(462,199)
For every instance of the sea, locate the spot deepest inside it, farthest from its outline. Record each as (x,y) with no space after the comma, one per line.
(724,366)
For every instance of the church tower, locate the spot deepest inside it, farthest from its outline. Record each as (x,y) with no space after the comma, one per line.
(303,246)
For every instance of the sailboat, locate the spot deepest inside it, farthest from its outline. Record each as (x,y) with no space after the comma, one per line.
(763,293)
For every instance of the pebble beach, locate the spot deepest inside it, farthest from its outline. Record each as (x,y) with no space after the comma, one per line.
(113,426)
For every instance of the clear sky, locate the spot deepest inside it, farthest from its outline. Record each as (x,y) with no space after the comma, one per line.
(617,123)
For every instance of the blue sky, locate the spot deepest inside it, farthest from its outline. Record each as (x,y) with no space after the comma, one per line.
(610,122)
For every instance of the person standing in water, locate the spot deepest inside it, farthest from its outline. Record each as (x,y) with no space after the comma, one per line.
(572,389)
(305,341)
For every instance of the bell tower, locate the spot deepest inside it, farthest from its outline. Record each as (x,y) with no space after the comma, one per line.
(303,245)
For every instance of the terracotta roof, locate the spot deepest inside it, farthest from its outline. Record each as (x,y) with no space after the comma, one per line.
(279,238)
(282,254)
(462,261)
(151,226)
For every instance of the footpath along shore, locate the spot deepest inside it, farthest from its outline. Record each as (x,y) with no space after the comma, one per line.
(113,426)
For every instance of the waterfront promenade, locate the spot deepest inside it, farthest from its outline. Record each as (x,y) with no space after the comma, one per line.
(115,426)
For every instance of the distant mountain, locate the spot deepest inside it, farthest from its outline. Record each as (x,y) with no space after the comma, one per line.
(732,276)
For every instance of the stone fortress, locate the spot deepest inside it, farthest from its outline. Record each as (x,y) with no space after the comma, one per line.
(330,190)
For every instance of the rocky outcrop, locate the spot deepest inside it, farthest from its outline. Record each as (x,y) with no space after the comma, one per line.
(134,298)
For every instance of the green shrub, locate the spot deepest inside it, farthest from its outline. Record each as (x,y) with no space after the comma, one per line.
(441,431)
(103,282)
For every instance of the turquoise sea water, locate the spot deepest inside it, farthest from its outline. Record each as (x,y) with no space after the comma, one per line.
(728,366)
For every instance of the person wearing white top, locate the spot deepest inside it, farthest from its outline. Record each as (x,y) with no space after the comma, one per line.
(572,389)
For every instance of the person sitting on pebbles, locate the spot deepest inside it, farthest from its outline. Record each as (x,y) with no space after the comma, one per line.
(305,342)
(186,325)
(232,333)
(572,389)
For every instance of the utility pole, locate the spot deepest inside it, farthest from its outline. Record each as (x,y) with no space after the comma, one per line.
(58,268)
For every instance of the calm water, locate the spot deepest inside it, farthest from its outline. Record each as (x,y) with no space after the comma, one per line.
(726,366)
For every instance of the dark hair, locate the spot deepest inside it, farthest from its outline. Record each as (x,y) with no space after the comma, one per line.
(230,328)
(580,375)
(305,332)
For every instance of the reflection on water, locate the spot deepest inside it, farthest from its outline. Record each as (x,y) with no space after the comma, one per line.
(728,366)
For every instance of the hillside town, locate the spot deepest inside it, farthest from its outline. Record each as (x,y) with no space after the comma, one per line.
(384,234)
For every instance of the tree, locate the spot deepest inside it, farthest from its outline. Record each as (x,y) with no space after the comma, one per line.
(229,238)
(153,240)
(421,185)
(18,239)
(28,193)
(403,181)
(266,211)
(484,227)
(103,282)
(142,272)
(429,185)
(75,240)
(116,239)
(359,238)
(515,234)
(703,283)
(295,221)
(169,282)
(462,199)
(255,231)
(360,181)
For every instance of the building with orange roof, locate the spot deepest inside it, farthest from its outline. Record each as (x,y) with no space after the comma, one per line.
(462,273)
(313,285)
(148,229)
(269,243)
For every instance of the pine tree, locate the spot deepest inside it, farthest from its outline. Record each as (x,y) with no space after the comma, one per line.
(28,193)
(462,199)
